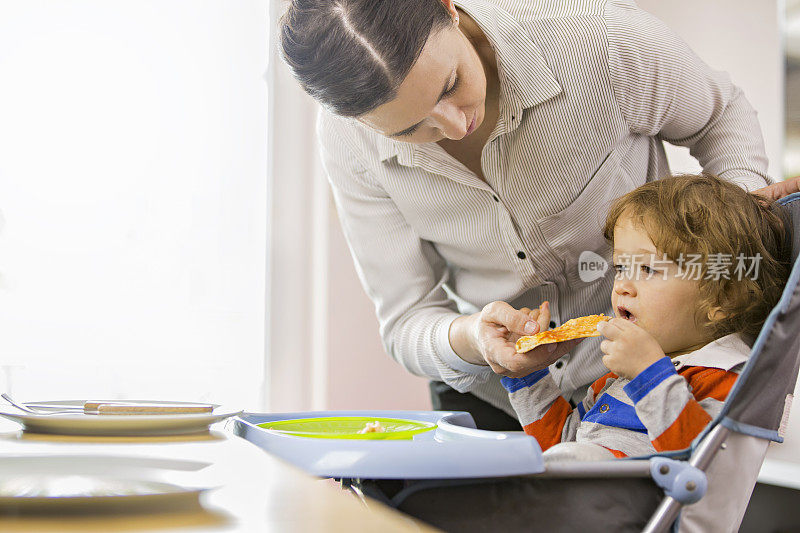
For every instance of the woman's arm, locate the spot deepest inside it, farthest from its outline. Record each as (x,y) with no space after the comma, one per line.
(402,274)
(665,90)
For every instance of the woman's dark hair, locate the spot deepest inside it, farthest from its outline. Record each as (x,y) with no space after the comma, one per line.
(352,55)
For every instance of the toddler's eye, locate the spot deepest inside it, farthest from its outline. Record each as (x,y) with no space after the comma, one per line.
(620,270)
(647,270)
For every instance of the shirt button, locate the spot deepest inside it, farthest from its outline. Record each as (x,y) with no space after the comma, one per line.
(604,408)
(559,364)
(552,324)
(496,199)
(521,255)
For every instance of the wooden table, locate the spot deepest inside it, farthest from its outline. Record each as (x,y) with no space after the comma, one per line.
(257,492)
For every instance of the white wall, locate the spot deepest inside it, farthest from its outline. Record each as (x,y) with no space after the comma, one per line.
(133,181)
(744,38)
(291,300)
(362,375)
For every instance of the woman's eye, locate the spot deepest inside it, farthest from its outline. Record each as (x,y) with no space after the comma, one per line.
(452,89)
(409,132)
(619,269)
(647,270)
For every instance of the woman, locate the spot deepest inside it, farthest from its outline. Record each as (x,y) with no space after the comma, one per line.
(473,150)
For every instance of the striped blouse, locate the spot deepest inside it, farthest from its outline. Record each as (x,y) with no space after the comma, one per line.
(589,89)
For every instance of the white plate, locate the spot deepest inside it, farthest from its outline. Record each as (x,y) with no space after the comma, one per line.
(116,425)
(95,482)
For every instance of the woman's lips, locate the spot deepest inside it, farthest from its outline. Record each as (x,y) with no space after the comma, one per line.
(471,127)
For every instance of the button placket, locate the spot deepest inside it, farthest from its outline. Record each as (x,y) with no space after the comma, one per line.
(512,116)
(490,162)
(513,240)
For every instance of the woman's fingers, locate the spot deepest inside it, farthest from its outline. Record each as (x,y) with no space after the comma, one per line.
(543,356)
(544,316)
(520,365)
(502,325)
(778,190)
(516,321)
(506,359)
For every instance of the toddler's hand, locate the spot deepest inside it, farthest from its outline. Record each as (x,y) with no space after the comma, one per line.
(628,348)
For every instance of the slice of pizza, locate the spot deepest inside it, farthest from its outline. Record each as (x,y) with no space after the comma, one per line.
(577,328)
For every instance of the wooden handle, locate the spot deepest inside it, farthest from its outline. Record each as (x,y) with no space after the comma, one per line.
(121,408)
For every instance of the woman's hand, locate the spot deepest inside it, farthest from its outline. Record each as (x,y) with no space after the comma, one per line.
(628,348)
(780,189)
(489,337)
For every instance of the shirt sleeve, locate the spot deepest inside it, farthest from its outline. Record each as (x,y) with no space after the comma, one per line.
(403,274)
(664,89)
(676,408)
(542,411)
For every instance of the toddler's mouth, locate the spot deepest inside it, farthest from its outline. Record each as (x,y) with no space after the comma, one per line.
(624,313)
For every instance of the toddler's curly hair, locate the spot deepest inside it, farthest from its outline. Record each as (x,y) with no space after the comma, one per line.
(705,215)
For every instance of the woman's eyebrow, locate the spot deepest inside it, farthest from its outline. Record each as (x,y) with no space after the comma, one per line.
(441,95)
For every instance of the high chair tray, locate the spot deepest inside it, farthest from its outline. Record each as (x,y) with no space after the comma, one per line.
(455,449)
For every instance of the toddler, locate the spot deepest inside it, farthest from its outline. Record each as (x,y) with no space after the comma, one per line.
(700,263)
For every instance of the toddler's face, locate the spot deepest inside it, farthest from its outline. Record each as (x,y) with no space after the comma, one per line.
(649,291)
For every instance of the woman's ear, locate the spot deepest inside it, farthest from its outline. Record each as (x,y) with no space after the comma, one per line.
(451,7)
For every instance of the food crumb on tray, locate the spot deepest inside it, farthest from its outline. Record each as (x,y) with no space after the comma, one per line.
(373,427)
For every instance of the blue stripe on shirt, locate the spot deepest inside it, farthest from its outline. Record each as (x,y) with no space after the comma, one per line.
(515,384)
(611,412)
(649,378)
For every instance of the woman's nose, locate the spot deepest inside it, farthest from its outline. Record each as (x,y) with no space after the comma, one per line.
(450,119)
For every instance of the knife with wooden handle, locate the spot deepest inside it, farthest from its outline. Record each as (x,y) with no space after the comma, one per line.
(123,407)
(130,408)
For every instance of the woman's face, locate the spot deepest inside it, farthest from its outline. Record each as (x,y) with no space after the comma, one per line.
(442,97)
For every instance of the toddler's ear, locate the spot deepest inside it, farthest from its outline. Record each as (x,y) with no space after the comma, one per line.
(715,313)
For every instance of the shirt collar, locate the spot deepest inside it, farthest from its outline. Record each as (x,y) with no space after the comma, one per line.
(525,78)
(726,353)
(388,148)
(524,73)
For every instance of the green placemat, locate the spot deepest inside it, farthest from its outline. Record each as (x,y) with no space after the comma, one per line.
(348,427)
